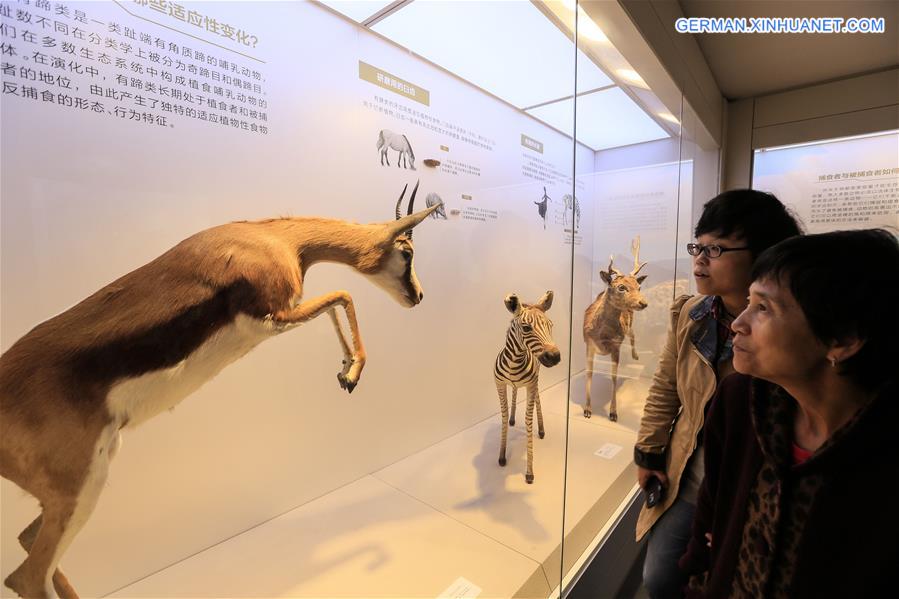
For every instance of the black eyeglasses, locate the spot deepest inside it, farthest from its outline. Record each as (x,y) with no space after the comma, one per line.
(712,251)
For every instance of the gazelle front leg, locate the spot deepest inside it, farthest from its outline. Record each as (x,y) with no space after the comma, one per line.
(633,348)
(344,346)
(310,309)
(504,415)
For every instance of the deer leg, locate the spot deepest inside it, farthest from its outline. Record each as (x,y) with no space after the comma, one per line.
(60,582)
(588,379)
(504,415)
(310,309)
(613,407)
(529,424)
(514,401)
(630,334)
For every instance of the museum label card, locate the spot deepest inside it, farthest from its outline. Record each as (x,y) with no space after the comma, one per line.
(608,451)
(461,589)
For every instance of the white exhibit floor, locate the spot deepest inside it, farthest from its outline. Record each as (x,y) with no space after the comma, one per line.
(444,522)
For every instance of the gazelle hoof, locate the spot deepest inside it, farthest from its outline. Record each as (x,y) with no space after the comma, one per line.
(341,378)
(529,479)
(502,461)
(588,413)
(613,416)
(541,434)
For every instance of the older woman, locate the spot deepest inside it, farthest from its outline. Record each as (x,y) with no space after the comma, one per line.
(802,502)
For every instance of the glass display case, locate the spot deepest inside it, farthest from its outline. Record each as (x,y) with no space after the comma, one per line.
(549,148)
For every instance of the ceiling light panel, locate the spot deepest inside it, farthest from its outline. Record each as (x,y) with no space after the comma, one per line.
(605,119)
(508,48)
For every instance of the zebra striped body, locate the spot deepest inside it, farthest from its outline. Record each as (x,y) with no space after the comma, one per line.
(529,343)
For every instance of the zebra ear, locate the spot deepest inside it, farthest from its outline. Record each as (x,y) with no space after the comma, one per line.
(512,303)
(545,302)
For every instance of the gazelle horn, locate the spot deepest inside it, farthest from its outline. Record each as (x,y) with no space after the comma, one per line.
(400,201)
(411,203)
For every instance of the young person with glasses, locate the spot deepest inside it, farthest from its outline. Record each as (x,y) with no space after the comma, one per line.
(734,228)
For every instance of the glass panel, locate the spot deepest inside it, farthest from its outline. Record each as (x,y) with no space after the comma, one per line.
(130,131)
(850,183)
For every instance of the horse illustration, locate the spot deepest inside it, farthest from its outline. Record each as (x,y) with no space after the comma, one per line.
(388,140)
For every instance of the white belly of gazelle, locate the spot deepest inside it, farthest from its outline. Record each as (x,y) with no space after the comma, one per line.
(137,399)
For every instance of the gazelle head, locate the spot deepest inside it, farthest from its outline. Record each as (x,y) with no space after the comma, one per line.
(396,274)
(624,290)
(533,329)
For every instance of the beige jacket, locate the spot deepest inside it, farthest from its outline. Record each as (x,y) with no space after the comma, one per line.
(682,386)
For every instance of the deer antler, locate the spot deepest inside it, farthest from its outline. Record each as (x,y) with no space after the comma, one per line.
(612,269)
(635,250)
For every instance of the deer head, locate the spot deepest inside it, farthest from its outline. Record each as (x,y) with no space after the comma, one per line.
(533,329)
(396,274)
(624,290)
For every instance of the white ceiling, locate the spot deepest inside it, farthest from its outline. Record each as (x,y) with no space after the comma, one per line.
(746,65)
(511,49)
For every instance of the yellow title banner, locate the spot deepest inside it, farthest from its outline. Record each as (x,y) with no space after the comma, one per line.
(531,144)
(394,83)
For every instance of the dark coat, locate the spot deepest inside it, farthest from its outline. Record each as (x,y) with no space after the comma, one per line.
(847,529)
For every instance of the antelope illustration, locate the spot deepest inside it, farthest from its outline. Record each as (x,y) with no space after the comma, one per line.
(146,341)
(388,140)
(541,206)
(610,318)
(529,343)
(433,199)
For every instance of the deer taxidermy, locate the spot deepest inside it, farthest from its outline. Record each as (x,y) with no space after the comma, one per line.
(143,343)
(609,319)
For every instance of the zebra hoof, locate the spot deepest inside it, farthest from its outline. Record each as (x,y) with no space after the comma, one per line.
(541,434)
(502,461)
(511,422)
(613,416)
(529,479)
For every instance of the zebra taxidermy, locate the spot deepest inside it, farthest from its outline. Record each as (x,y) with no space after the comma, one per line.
(541,206)
(572,212)
(529,343)
(388,140)
(435,200)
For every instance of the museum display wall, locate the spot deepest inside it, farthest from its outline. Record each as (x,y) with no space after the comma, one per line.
(130,126)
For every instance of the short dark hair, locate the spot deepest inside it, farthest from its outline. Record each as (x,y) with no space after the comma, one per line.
(847,285)
(756,216)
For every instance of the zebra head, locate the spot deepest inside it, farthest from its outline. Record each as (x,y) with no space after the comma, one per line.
(533,329)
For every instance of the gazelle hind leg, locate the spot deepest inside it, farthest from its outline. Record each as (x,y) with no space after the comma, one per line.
(62,518)
(60,582)
(514,402)
(588,377)
(504,414)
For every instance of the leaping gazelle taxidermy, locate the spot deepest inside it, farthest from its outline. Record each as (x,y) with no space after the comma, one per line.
(146,341)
